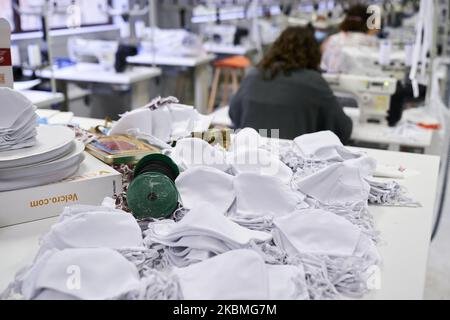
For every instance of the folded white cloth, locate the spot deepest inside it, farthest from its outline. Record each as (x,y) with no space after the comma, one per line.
(241,275)
(338,184)
(93,227)
(194,152)
(235,275)
(200,235)
(18,121)
(263,196)
(206,187)
(86,274)
(316,232)
(323,146)
(167,122)
(246,139)
(261,162)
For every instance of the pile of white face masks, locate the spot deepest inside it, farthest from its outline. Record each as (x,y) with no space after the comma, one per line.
(162,121)
(200,235)
(18,121)
(98,253)
(242,234)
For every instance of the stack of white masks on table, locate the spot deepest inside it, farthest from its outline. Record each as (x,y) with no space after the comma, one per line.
(259,192)
(200,235)
(97,253)
(162,121)
(18,121)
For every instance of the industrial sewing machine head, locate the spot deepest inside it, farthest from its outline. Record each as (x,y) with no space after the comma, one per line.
(373,94)
(84,50)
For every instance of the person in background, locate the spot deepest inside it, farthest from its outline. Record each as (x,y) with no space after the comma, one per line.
(354,32)
(287,92)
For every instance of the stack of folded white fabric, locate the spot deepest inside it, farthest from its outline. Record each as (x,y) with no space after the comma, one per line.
(200,235)
(162,121)
(18,121)
(56,155)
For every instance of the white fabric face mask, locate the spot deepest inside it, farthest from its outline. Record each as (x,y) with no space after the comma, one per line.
(183,118)
(94,227)
(258,196)
(246,139)
(162,124)
(206,187)
(14,105)
(261,162)
(316,232)
(235,275)
(199,236)
(137,119)
(201,222)
(287,282)
(365,164)
(338,184)
(87,274)
(322,146)
(193,152)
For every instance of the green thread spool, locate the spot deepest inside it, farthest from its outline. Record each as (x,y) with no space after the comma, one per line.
(152,193)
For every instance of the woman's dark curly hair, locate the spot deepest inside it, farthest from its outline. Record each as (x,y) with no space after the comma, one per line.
(356,19)
(295,49)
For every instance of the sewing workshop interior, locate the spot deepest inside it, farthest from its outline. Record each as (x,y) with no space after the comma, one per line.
(232,150)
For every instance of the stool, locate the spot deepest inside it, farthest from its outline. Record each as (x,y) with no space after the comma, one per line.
(231,66)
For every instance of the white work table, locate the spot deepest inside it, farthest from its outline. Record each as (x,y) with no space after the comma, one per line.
(405,232)
(43,99)
(94,73)
(198,63)
(171,61)
(137,78)
(382,134)
(367,132)
(227,49)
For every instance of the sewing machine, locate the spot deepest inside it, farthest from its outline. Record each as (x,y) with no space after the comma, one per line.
(83,50)
(380,61)
(373,94)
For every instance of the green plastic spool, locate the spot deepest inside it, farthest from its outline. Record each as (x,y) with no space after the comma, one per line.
(152,195)
(156,157)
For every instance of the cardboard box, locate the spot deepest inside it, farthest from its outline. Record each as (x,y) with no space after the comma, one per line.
(89,186)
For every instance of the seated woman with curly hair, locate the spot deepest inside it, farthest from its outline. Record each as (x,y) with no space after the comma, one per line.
(287,92)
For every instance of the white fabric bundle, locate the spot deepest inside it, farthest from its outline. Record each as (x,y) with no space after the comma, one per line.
(246,139)
(240,275)
(259,196)
(322,146)
(338,184)
(87,274)
(261,162)
(194,152)
(93,227)
(18,121)
(316,232)
(246,155)
(206,187)
(335,254)
(200,235)
(167,122)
